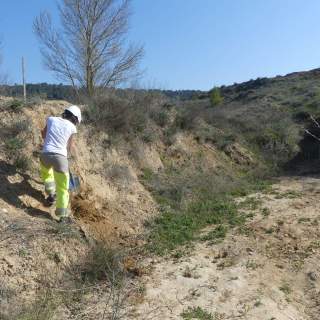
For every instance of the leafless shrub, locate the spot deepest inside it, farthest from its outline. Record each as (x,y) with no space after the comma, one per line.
(128,113)
(100,274)
(104,268)
(5,295)
(43,308)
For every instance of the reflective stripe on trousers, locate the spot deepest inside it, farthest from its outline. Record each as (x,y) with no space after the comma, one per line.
(62,212)
(59,182)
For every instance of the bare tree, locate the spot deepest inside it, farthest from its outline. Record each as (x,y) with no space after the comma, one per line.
(90,50)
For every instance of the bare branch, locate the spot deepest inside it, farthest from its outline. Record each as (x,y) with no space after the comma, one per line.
(90,49)
(314,121)
(312,135)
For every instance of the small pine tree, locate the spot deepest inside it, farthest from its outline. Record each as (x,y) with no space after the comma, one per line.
(215,97)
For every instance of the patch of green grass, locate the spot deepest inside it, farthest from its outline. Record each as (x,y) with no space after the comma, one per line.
(269,230)
(250,203)
(13,145)
(285,288)
(265,212)
(291,194)
(303,219)
(191,198)
(22,252)
(177,254)
(258,303)
(147,174)
(250,215)
(174,228)
(217,234)
(16,105)
(22,162)
(251,265)
(212,203)
(196,313)
(245,230)
(248,185)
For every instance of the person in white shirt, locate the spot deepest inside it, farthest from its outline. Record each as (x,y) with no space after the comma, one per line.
(58,136)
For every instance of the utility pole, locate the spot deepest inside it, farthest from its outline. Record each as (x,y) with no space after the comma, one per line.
(24,82)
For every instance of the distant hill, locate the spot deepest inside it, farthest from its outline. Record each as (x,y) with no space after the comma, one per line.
(62,91)
(44,90)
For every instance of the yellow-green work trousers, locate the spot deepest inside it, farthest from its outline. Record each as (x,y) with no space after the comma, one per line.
(56,182)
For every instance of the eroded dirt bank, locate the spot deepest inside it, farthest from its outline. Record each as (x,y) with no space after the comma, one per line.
(266,269)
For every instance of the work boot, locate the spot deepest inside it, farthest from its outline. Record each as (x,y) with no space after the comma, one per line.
(66,220)
(51,199)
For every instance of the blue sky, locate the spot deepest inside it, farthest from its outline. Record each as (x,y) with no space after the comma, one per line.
(190,44)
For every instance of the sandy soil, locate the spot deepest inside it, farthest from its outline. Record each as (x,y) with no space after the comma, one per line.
(268,270)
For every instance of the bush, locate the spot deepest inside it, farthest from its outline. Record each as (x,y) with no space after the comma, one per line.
(44,307)
(117,114)
(129,113)
(149,135)
(16,105)
(196,313)
(22,162)
(20,126)
(161,118)
(14,145)
(102,263)
(215,97)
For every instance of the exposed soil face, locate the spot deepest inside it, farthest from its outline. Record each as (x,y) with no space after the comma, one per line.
(107,206)
(35,251)
(268,270)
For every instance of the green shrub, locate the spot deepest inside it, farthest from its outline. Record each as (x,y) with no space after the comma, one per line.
(218,233)
(14,145)
(20,126)
(147,174)
(215,97)
(22,162)
(16,105)
(161,117)
(196,313)
(191,198)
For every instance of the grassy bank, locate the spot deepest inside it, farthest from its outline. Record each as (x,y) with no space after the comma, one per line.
(213,204)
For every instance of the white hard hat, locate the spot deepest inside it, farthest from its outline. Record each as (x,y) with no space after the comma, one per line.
(75,110)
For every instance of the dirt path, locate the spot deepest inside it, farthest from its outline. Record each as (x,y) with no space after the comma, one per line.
(268,270)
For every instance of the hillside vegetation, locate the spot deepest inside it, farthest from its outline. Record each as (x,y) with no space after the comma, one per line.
(156,171)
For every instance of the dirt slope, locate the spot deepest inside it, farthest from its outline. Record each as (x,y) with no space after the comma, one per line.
(35,251)
(267,270)
(106,197)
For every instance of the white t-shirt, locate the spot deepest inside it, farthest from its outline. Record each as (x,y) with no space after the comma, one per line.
(59,131)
